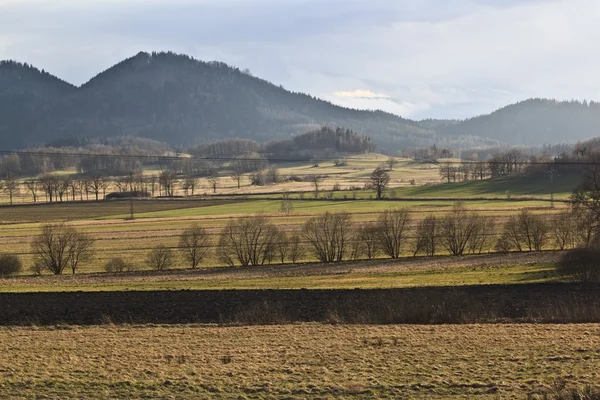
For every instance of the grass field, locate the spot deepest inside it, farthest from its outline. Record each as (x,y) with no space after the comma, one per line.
(418,272)
(298,361)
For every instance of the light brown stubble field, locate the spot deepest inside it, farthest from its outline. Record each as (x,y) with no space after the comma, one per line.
(297,361)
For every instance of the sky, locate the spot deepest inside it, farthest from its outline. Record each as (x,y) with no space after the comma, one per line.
(418,59)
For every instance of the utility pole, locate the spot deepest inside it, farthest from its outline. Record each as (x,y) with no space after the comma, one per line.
(131,206)
(551,172)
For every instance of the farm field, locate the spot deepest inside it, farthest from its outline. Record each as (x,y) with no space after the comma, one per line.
(419,272)
(409,178)
(299,361)
(162,221)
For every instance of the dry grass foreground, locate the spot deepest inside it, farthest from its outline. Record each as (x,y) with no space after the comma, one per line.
(297,361)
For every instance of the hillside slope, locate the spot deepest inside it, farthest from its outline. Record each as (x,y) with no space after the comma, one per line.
(531,122)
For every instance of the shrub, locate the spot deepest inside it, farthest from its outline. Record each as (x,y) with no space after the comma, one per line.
(161,258)
(580,265)
(10,264)
(117,264)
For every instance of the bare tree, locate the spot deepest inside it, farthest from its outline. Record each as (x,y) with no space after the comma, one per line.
(10,185)
(480,170)
(448,172)
(32,187)
(564,228)
(527,231)
(316,181)
(295,248)
(117,264)
(391,162)
(97,183)
(59,246)
(368,239)
(194,242)
(457,229)
(580,265)
(237,175)
(480,241)
(586,197)
(161,258)
(392,227)
(214,181)
(427,236)
(586,232)
(248,241)
(272,175)
(152,179)
(167,180)
(49,184)
(283,246)
(379,181)
(189,184)
(329,234)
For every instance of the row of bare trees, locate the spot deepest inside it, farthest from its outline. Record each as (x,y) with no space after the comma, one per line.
(59,188)
(334,237)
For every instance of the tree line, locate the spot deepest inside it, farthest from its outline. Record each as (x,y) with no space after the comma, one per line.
(335,237)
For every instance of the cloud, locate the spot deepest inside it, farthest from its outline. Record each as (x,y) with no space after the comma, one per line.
(431,58)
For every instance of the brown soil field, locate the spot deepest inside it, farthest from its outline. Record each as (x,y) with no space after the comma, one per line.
(301,361)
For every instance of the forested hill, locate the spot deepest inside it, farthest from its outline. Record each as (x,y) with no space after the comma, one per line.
(531,122)
(182,101)
(27,95)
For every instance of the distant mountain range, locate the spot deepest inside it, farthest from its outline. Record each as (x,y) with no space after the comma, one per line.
(182,101)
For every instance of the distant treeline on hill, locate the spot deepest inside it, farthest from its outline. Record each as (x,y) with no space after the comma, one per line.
(324,142)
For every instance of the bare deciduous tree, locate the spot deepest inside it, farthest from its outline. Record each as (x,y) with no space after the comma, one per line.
(368,237)
(167,180)
(59,246)
(189,184)
(248,241)
(194,242)
(316,181)
(49,184)
(564,229)
(580,265)
(391,162)
(379,181)
(161,258)
(392,227)
(214,182)
(427,240)
(448,172)
(10,185)
(32,187)
(237,175)
(457,229)
(527,231)
(329,235)
(283,246)
(97,183)
(295,248)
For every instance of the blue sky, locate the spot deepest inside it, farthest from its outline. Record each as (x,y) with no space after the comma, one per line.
(419,59)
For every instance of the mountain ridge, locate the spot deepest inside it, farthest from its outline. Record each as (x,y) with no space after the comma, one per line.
(183,101)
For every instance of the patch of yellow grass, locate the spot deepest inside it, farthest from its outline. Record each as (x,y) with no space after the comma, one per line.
(296,361)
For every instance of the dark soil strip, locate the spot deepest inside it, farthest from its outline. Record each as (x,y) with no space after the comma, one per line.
(542,303)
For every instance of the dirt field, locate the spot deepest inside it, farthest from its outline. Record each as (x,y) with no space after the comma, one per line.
(298,361)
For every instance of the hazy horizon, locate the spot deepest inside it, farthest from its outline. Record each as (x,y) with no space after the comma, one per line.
(437,59)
